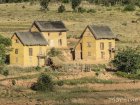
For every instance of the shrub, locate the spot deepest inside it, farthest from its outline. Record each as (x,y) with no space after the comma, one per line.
(127,75)
(61,9)
(91,11)
(13,82)
(44,83)
(65,1)
(37,68)
(127,60)
(60,83)
(129,7)
(75,4)
(5,71)
(54,52)
(81,10)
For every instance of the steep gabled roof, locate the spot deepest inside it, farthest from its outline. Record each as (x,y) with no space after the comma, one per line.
(101,32)
(31,38)
(50,26)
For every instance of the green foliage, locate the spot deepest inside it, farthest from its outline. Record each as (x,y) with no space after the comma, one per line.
(37,68)
(4,43)
(61,9)
(75,4)
(130,7)
(4,71)
(54,52)
(13,82)
(81,10)
(127,60)
(44,83)
(44,4)
(65,1)
(60,83)
(91,11)
(128,75)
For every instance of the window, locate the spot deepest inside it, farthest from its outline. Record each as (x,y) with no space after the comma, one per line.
(89,53)
(48,34)
(16,59)
(48,42)
(17,41)
(102,55)
(30,52)
(60,33)
(40,50)
(60,42)
(88,44)
(102,46)
(110,55)
(16,51)
(110,45)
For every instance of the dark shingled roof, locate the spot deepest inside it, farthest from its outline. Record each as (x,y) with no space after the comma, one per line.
(31,38)
(101,32)
(50,26)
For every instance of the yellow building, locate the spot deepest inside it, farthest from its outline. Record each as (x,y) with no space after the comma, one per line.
(30,48)
(54,32)
(96,43)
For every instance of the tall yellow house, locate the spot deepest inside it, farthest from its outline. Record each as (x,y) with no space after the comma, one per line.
(55,32)
(30,48)
(96,43)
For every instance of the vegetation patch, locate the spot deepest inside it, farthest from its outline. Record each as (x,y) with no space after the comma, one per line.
(86,80)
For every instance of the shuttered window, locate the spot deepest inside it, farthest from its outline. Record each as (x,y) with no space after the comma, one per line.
(30,52)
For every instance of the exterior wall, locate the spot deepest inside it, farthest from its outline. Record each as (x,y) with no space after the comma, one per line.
(34,29)
(33,60)
(17,59)
(53,37)
(22,58)
(95,50)
(87,38)
(106,49)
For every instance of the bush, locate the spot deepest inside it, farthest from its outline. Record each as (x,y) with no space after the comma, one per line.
(60,83)
(44,83)
(81,10)
(91,11)
(54,52)
(130,7)
(127,75)
(127,60)
(37,68)
(13,82)
(61,9)
(65,1)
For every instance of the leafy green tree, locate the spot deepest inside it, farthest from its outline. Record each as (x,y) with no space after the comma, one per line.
(44,4)
(4,44)
(75,4)
(127,60)
(61,9)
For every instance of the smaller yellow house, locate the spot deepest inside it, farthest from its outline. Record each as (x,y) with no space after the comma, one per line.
(96,43)
(29,49)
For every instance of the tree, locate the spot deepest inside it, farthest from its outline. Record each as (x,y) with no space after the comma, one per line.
(44,4)
(4,44)
(127,60)
(61,9)
(75,4)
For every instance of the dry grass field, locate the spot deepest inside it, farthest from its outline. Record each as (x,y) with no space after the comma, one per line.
(80,88)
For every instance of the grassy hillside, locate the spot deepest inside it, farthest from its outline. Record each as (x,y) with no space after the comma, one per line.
(14,17)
